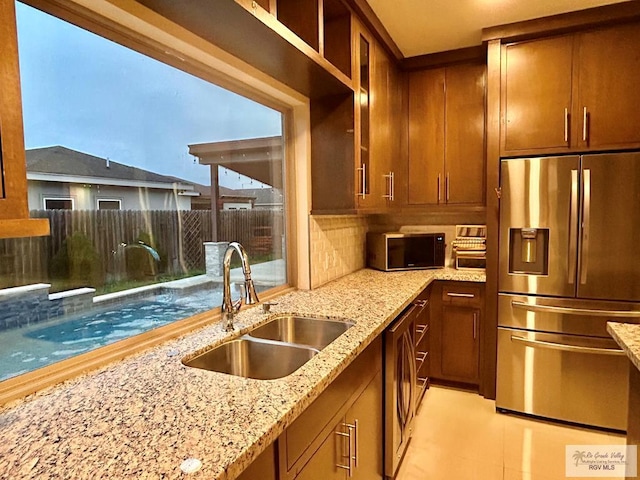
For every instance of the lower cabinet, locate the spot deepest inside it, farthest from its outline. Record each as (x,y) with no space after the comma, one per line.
(353,447)
(339,435)
(457,309)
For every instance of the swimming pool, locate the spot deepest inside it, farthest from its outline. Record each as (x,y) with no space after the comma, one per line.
(25,349)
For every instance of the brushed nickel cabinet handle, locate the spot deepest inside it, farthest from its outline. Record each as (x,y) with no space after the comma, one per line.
(446,187)
(349,466)
(585,122)
(460,295)
(393,186)
(438,188)
(363,181)
(475,325)
(566,125)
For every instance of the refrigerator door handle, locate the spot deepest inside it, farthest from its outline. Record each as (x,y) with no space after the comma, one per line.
(586,221)
(589,312)
(573,223)
(567,347)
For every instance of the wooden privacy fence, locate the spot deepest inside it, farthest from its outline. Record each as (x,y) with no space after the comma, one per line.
(178,236)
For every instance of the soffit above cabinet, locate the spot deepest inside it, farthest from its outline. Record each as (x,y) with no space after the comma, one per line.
(421,27)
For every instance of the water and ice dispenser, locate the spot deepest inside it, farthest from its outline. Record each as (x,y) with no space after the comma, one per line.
(529,251)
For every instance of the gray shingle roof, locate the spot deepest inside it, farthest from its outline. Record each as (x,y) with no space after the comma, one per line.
(65,161)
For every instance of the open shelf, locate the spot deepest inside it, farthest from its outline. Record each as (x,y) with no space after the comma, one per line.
(301,17)
(337,35)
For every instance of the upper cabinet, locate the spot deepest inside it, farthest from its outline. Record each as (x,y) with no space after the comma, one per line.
(14,210)
(446,136)
(355,138)
(606,88)
(571,93)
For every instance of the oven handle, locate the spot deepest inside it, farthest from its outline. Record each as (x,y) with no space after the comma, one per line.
(576,311)
(566,348)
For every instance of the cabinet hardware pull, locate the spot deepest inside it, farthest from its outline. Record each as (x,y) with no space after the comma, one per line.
(389,186)
(355,442)
(349,466)
(585,129)
(446,187)
(566,125)
(393,186)
(420,329)
(475,325)
(421,356)
(363,181)
(420,303)
(438,188)
(460,295)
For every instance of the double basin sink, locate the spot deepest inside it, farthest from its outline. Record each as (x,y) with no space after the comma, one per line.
(273,350)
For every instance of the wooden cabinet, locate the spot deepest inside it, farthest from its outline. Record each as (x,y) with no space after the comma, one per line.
(571,93)
(263,467)
(606,88)
(446,136)
(355,138)
(14,210)
(456,331)
(347,417)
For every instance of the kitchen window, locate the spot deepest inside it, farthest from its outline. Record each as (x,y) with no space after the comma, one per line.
(113,127)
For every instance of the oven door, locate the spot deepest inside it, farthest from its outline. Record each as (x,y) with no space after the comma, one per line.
(573,378)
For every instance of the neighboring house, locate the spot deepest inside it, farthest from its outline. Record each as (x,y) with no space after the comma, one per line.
(61,178)
(229,199)
(264,198)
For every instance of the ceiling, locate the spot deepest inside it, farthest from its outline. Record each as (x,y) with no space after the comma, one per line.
(426,26)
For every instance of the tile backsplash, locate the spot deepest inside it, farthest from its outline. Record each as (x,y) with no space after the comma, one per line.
(338,246)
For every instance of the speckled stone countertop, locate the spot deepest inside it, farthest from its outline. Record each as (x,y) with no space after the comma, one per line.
(628,337)
(141,417)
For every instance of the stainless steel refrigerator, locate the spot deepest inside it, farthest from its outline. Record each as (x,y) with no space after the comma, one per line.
(569,262)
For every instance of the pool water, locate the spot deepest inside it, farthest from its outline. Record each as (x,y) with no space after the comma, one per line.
(28,348)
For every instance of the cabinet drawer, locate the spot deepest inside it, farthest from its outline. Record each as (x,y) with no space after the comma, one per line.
(465,294)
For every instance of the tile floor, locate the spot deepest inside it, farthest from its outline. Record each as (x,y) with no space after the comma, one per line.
(459,435)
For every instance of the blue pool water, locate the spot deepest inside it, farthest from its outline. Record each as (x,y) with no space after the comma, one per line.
(25,349)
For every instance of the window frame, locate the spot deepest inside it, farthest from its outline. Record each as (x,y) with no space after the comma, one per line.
(157,37)
(119,200)
(48,197)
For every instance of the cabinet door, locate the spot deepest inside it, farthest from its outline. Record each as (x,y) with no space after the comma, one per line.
(426,136)
(608,97)
(464,134)
(536,96)
(459,343)
(323,465)
(366,413)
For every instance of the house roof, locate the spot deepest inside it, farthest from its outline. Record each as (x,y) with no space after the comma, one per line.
(64,161)
(263,196)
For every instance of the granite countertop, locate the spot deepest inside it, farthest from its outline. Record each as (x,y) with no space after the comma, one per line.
(627,335)
(143,416)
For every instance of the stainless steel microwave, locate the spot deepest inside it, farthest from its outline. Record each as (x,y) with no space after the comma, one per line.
(405,251)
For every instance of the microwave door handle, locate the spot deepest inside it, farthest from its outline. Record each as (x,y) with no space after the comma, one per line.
(586,223)
(573,223)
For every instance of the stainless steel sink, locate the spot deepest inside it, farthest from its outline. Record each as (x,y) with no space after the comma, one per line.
(314,332)
(253,358)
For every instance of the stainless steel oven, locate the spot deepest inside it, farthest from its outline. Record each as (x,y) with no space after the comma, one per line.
(400,388)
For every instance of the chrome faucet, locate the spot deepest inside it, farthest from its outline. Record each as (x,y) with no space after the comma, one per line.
(230,308)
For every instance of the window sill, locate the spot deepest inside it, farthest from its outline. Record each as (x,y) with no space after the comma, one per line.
(19,387)
(28,227)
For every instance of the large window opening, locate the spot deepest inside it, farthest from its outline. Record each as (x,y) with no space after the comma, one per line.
(145,173)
